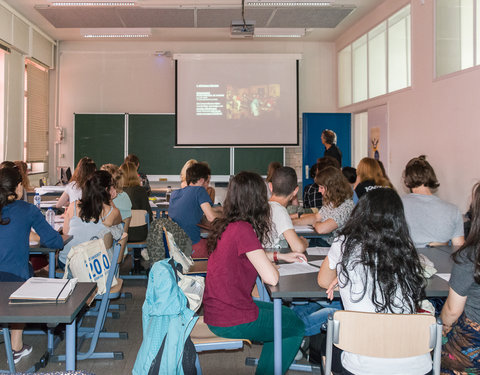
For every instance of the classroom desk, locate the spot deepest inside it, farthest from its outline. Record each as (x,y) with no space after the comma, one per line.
(304,286)
(50,314)
(36,249)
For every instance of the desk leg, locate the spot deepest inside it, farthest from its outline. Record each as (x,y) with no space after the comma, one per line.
(8,347)
(277,334)
(51,264)
(70,341)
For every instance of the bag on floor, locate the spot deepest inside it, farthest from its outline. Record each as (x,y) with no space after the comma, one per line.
(89,262)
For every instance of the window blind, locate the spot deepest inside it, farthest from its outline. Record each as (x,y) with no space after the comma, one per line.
(37,113)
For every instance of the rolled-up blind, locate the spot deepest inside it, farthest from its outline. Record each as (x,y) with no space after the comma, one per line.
(37,113)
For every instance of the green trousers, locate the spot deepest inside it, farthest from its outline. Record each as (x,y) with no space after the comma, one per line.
(261,329)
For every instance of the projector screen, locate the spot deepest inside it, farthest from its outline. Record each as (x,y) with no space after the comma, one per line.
(243,100)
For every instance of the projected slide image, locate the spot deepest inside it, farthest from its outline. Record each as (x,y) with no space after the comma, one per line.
(252,102)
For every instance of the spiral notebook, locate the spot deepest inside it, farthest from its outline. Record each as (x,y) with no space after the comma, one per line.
(43,290)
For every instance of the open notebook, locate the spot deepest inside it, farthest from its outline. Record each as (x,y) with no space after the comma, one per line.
(43,290)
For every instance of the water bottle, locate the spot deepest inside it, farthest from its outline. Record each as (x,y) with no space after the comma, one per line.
(50,216)
(36,200)
(169,193)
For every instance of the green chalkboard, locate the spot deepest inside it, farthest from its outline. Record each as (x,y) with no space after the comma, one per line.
(152,139)
(100,137)
(256,159)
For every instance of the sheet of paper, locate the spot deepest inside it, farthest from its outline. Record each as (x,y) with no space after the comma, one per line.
(444,276)
(33,243)
(318,251)
(296,268)
(316,263)
(303,228)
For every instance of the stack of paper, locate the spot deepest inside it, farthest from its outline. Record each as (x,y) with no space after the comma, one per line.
(322,251)
(43,290)
(304,228)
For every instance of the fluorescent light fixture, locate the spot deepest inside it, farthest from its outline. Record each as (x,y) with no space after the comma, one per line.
(93,3)
(287,3)
(278,33)
(116,33)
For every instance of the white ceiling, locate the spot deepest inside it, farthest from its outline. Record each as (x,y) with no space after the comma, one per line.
(212,18)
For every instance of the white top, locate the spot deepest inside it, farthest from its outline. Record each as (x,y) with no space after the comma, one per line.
(74,192)
(352,300)
(281,222)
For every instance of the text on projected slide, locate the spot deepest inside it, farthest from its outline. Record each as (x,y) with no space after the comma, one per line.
(237,102)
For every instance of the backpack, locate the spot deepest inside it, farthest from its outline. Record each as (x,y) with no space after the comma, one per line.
(156,245)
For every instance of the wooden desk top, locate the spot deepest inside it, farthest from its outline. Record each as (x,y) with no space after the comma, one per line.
(49,313)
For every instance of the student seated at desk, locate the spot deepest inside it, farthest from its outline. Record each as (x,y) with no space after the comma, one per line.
(188,205)
(336,208)
(73,190)
(122,200)
(312,198)
(430,219)
(461,312)
(284,187)
(17,218)
(93,215)
(236,258)
(369,177)
(131,158)
(377,269)
(183,179)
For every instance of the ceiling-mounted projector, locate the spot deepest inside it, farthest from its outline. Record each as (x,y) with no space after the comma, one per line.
(239,29)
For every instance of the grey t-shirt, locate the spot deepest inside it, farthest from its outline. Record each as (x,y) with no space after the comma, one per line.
(339,214)
(463,283)
(431,219)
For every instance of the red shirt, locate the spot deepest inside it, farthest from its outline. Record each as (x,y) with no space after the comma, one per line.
(230,278)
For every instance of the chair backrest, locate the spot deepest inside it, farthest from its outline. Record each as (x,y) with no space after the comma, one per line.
(122,242)
(139,218)
(384,335)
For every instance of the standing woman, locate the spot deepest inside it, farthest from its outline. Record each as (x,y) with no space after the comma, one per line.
(17,218)
(92,216)
(461,312)
(236,245)
(379,271)
(73,190)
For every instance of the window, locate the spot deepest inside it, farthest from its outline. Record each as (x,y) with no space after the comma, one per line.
(360,66)
(399,58)
(36,116)
(345,76)
(2,104)
(378,62)
(455,35)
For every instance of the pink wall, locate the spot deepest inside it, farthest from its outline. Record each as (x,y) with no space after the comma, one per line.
(436,117)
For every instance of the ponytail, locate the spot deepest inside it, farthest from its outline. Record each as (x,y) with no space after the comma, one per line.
(9,180)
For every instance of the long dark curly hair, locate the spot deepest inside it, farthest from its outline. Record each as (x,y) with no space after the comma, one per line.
(246,200)
(472,243)
(95,193)
(376,238)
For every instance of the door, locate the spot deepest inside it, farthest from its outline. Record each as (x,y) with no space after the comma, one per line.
(313,126)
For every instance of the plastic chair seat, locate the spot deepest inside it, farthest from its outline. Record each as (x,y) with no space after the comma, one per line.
(201,335)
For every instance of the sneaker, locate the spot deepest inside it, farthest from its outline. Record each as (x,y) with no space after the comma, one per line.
(18,355)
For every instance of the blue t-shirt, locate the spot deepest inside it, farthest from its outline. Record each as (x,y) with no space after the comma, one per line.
(14,237)
(185,209)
